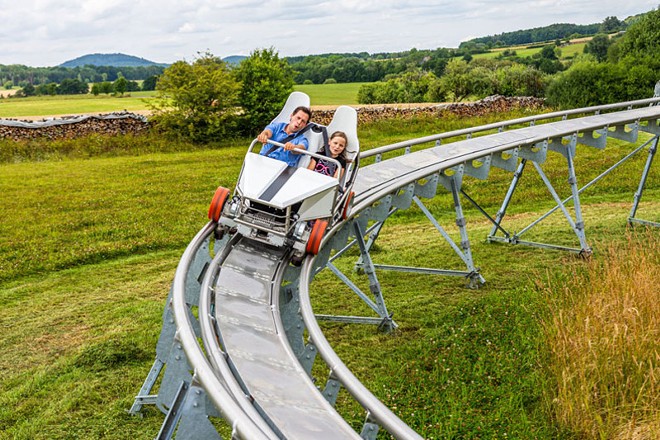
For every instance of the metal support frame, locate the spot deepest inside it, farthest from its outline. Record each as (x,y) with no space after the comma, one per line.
(188,416)
(568,151)
(642,184)
(464,251)
(577,225)
(377,304)
(505,204)
(373,232)
(143,397)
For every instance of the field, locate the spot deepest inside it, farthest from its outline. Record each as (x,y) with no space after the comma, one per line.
(568,51)
(43,106)
(40,106)
(89,246)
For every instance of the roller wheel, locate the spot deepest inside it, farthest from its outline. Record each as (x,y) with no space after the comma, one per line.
(315,237)
(218,203)
(347,206)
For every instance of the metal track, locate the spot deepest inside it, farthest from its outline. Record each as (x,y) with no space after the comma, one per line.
(259,332)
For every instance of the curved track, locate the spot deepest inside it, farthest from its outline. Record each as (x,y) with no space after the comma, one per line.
(249,353)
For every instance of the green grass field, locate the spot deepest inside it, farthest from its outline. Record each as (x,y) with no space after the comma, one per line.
(331,94)
(72,104)
(43,106)
(568,51)
(89,245)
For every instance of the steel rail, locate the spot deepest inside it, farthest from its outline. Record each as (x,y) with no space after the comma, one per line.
(376,410)
(218,392)
(503,124)
(216,355)
(551,130)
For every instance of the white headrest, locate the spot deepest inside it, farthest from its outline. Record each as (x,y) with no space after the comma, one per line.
(295,100)
(345,119)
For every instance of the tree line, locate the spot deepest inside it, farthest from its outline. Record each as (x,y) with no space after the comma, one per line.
(17,75)
(615,67)
(317,69)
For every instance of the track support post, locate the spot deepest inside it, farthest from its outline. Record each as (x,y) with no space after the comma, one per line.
(642,184)
(387,324)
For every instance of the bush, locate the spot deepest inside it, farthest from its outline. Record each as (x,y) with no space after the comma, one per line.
(266,82)
(412,86)
(197,101)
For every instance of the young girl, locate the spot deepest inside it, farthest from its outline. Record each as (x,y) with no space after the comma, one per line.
(337,147)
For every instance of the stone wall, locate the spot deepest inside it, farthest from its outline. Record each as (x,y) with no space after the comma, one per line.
(74,126)
(124,122)
(491,104)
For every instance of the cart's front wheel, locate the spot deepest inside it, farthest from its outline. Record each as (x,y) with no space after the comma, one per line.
(315,237)
(218,203)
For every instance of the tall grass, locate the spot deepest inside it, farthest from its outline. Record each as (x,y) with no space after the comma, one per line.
(603,333)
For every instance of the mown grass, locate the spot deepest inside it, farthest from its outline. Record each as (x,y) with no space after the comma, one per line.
(72,104)
(89,245)
(320,94)
(331,94)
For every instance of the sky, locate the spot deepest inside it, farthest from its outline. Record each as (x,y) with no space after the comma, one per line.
(44,33)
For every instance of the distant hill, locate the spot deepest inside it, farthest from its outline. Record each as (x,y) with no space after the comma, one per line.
(234,59)
(109,59)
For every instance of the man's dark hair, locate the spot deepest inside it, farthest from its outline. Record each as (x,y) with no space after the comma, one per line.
(305,110)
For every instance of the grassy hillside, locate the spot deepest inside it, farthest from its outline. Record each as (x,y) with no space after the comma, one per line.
(89,248)
(567,51)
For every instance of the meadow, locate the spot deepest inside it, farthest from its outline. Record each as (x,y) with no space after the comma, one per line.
(89,244)
(568,51)
(45,106)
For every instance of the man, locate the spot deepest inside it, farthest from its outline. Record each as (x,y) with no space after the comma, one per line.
(291,134)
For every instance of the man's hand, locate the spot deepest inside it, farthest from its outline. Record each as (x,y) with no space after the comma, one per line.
(264,136)
(290,146)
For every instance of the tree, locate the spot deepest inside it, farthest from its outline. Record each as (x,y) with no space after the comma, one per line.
(120,85)
(456,81)
(197,101)
(29,90)
(266,82)
(643,36)
(588,83)
(610,24)
(72,87)
(150,83)
(598,47)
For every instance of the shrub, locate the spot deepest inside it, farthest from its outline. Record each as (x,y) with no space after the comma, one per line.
(197,101)
(266,81)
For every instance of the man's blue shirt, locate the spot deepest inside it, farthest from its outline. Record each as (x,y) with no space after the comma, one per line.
(280,153)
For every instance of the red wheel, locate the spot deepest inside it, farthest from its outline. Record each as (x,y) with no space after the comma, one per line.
(314,242)
(219,198)
(347,206)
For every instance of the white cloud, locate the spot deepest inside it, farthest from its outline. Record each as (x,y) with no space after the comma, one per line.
(49,32)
